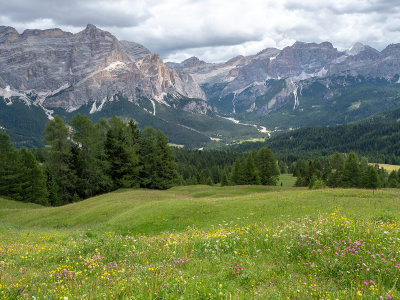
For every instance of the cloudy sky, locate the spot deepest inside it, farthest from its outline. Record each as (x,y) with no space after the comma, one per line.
(216,30)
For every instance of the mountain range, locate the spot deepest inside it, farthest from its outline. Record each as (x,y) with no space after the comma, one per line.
(47,72)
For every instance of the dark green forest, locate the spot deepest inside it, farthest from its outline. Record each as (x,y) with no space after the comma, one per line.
(343,170)
(83,159)
(377,138)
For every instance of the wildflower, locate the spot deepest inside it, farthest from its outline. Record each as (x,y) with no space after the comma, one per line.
(388,296)
(372,282)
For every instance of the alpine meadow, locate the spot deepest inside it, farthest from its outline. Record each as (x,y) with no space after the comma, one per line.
(199,150)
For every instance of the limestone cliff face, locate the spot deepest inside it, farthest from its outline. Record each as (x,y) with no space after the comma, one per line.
(235,85)
(61,69)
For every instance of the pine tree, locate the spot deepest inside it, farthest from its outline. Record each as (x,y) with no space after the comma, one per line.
(58,160)
(147,155)
(224,179)
(393,180)
(352,173)
(121,154)
(250,172)
(337,168)
(238,172)
(267,167)
(88,160)
(9,168)
(32,180)
(372,181)
(165,175)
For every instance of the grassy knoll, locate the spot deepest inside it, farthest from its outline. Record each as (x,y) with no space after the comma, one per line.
(202,242)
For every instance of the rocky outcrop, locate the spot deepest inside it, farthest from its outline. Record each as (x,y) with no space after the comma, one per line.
(60,69)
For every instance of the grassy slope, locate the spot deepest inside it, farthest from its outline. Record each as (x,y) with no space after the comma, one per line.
(6,204)
(153,212)
(245,242)
(388,167)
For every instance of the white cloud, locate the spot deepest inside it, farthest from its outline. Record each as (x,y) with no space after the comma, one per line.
(217,30)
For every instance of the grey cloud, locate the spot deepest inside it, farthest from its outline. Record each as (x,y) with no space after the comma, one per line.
(172,43)
(72,13)
(216,29)
(351,7)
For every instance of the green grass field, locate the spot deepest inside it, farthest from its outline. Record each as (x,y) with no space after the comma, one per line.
(202,242)
(387,167)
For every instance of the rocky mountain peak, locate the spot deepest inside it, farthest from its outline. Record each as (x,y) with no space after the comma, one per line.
(192,62)
(7,30)
(8,34)
(303,45)
(93,32)
(391,49)
(355,49)
(47,32)
(268,52)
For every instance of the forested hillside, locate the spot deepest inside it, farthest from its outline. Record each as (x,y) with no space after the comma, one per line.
(377,138)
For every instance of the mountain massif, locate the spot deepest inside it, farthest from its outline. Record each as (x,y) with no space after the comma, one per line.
(47,72)
(253,87)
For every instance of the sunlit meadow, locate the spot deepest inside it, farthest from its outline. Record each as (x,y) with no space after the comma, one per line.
(205,243)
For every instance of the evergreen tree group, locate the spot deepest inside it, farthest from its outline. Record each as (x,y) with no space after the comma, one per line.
(255,168)
(341,170)
(83,159)
(21,176)
(203,167)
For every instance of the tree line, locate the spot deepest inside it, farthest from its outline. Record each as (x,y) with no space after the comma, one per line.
(82,159)
(343,170)
(377,138)
(227,167)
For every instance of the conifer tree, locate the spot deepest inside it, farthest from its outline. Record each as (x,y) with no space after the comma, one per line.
(58,160)
(165,175)
(89,162)
(121,154)
(147,154)
(393,180)
(250,172)
(371,181)
(267,167)
(9,168)
(352,173)
(224,179)
(237,174)
(337,168)
(32,180)
(209,181)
